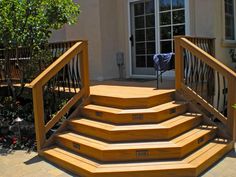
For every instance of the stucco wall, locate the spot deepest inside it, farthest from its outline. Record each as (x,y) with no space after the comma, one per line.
(88,28)
(109,38)
(104,23)
(209,23)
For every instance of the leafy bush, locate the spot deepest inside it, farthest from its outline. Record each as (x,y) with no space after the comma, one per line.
(234,106)
(27,24)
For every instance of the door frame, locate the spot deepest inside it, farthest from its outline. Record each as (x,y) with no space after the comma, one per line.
(187,31)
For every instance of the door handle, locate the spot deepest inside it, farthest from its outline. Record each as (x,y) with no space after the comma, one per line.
(131,38)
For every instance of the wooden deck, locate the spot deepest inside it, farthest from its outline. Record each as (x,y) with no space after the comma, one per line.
(126,91)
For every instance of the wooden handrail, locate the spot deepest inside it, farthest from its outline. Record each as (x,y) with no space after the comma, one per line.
(39,82)
(182,44)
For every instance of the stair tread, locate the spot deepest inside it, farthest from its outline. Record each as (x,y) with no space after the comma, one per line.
(200,155)
(182,140)
(127,92)
(193,134)
(89,165)
(163,125)
(158,108)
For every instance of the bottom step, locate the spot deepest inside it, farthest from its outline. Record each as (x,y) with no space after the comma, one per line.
(191,166)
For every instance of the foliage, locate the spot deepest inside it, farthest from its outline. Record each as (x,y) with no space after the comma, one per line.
(30,23)
(27,24)
(234,106)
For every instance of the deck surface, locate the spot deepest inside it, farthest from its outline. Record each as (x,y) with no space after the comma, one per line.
(126,91)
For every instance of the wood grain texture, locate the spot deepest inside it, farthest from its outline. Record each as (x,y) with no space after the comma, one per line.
(190,166)
(134,116)
(137,151)
(115,98)
(145,132)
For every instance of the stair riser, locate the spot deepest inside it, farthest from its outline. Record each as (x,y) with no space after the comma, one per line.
(197,143)
(67,166)
(121,155)
(200,168)
(180,172)
(131,118)
(135,135)
(130,103)
(182,128)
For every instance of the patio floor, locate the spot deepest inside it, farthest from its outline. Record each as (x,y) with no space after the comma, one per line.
(22,164)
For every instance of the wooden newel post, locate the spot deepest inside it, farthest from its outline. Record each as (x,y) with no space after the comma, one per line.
(231,110)
(39,116)
(84,67)
(179,64)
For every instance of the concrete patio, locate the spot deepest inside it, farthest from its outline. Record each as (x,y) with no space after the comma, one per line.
(23,164)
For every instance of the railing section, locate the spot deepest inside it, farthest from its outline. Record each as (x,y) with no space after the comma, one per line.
(206,80)
(59,87)
(19,60)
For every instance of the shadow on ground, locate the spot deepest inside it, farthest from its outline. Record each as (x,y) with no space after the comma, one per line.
(34,160)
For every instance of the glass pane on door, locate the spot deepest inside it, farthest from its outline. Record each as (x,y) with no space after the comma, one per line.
(171,23)
(144,37)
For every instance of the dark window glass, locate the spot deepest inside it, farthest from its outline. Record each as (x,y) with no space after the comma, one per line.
(140,61)
(165,18)
(229,20)
(179,30)
(165,5)
(165,32)
(150,34)
(178,17)
(139,9)
(150,21)
(139,22)
(140,48)
(177,4)
(140,35)
(166,46)
(149,6)
(151,48)
(150,63)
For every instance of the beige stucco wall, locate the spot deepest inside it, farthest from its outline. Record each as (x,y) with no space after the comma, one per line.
(209,23)
(88,28)
(104,23)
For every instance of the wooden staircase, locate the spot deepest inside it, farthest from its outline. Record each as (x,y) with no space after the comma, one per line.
(140,136)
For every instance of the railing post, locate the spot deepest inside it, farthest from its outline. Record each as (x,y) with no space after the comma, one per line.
(231,111)
(179,64)
(39,116)
(84,67)
(213,47)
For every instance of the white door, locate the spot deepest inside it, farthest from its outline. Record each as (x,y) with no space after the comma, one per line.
(142,36)
(153,25)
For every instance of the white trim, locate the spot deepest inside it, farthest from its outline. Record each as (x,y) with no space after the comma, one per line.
(187,17)
(129,34)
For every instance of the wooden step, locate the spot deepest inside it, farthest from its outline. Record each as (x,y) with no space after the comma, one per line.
(125,102)
(137,151)
(145,132)
(208,155)
(134,116)
(191,166)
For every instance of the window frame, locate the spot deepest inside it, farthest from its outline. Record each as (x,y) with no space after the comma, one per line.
(172,25)
(227,42)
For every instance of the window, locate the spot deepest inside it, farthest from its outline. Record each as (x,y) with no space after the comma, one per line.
(171,23)
(229,9)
